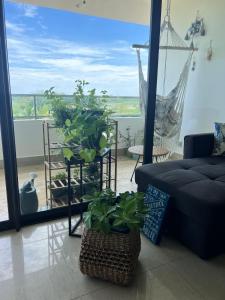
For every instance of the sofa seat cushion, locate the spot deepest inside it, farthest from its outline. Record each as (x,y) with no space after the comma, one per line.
(196,186)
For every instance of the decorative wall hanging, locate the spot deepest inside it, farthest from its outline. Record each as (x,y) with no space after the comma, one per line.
(197,29)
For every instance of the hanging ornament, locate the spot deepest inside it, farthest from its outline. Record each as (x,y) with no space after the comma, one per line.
(193,65)
(197,28)
(209,52)
(80,3)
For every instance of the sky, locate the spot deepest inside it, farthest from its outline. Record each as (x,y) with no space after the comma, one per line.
(48,47)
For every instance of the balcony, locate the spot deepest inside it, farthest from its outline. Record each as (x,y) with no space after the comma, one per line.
(125,168)
(35,106)
(29,113)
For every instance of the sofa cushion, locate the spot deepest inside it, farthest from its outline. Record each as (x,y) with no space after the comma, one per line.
(196,186)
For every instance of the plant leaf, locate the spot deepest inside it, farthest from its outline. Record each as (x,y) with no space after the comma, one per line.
(118,223)
(88,155)
(87,219)
(68,123)
(68,153)
(103,140)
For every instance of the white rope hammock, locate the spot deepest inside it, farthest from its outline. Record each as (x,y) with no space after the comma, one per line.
(169,107)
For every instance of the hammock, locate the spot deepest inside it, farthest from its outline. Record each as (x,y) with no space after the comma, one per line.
(169,108)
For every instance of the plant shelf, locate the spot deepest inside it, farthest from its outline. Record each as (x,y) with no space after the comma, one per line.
(54,162)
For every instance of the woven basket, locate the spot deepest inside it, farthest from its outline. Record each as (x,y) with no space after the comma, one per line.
(111,257)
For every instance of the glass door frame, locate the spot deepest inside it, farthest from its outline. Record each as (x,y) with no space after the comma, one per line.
(7,133)
(153,60)
(16,220)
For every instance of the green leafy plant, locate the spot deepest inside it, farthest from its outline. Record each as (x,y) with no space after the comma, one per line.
(108,213)
(83,122)
(58,192)
(58,107)
(60,176)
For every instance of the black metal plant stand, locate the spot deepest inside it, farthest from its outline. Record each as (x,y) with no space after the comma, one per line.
(103,160)
(54,163)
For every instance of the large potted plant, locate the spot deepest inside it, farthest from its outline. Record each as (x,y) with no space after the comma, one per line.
(84,125)
(84,121)
(111,240)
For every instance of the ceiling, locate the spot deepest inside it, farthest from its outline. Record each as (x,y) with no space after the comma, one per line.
(134,11)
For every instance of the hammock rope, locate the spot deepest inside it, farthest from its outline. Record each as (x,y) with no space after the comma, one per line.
(169,107)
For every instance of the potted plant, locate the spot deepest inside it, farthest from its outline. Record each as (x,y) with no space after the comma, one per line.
(111,240)
(57,190)
(60,192)
(84,121)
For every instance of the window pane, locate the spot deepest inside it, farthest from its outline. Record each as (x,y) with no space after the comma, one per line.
(41,56)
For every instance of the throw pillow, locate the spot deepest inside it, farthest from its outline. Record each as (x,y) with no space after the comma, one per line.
(219,134)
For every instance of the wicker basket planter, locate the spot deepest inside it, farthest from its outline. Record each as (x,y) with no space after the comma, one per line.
(112,257)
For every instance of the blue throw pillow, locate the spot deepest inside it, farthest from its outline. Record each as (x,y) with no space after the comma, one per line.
(219,135)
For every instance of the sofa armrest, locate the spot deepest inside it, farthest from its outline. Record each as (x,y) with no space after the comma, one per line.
(198,145)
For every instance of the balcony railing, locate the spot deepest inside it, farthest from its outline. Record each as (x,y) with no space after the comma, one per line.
(35,106)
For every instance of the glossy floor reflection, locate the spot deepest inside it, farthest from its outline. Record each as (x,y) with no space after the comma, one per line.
(41,262)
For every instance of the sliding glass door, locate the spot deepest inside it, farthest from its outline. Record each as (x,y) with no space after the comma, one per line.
(41,55)
(40,58)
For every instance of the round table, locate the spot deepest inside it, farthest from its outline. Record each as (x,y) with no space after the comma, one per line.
(158,154)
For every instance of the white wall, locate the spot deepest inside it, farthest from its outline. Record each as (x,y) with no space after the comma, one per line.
(29,137)
(205,95)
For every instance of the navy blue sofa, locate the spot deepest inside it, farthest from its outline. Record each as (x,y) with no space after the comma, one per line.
(196,185)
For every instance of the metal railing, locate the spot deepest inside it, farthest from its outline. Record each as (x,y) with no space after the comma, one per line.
(35,106)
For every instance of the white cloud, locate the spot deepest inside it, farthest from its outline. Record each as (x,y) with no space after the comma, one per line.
(15,28)
(26,10)
(30,11)
(39,63)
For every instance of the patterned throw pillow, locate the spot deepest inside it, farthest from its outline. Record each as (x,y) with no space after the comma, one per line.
(219,134)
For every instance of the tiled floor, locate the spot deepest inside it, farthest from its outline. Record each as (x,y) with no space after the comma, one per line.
(41,263)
